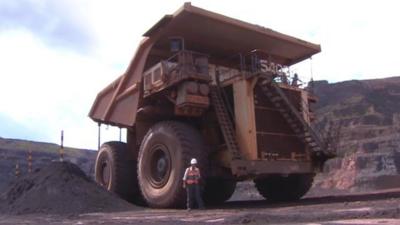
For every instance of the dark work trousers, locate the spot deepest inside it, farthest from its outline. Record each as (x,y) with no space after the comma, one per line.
(193,195)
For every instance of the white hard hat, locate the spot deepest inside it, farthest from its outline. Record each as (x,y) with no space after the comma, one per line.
(193,161)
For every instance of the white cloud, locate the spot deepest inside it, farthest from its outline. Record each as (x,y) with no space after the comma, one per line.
(56,22)
(50,89)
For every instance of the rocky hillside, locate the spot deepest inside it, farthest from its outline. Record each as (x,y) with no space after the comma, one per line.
(369,111)
(14,152)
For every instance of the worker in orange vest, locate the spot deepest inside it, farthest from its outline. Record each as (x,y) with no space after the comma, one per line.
(191,181)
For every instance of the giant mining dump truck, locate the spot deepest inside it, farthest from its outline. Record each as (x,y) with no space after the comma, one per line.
(206,86)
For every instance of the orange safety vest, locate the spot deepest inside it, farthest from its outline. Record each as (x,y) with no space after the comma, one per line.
(193,176)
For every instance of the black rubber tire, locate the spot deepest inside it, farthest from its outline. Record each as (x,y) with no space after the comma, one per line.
(168,145)
(114,159)
(217,191)
(279,188)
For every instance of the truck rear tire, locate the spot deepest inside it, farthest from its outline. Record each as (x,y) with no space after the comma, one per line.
(163,157)
(115,170)
(217,191)
(278,188)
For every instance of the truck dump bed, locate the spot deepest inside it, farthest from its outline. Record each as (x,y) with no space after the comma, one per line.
(203,31)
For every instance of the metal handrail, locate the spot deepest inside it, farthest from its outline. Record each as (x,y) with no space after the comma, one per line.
(320,137)
(297,114)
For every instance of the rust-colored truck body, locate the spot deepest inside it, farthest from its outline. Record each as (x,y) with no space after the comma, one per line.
(228,80)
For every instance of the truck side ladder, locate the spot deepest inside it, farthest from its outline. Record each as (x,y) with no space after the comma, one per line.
(225,122)
(293,117)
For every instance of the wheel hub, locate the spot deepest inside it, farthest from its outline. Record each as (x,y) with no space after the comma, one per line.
(106,173)
(159,166)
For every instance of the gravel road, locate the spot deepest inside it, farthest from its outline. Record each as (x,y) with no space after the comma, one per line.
(381,207)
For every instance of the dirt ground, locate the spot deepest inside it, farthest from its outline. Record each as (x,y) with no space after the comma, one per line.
(62,194)
(369,208)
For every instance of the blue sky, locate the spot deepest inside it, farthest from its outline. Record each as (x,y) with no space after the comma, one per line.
(54,22)
(56,55)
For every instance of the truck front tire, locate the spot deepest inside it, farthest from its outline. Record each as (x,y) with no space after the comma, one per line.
(164,154)
(115,170)
(279,188)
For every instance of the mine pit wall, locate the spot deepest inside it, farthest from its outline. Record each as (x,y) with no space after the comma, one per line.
(262,132)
